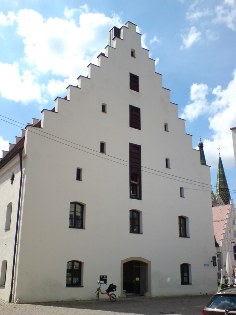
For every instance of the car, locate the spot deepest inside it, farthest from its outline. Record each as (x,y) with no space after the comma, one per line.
(223,302)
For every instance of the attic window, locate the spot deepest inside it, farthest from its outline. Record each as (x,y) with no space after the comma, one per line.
(133,53)
(12,178)
(166,127)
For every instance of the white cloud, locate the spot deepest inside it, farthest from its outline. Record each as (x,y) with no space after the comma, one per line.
(226,14)
(155,40)
(7,20)
(191,37)
(199,105)
(18,86)
(221,114)
(4,145)
(52,46)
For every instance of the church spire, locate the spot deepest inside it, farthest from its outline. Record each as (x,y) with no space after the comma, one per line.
(222,190)
(202,154)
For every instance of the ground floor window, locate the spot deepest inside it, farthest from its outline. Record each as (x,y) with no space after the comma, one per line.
(74,274)
(185,272)
(3,273)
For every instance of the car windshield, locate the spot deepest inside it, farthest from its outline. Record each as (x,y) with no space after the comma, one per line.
(223,302)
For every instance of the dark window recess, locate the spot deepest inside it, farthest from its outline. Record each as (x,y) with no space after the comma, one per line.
(104,108)
(134,117)
(115,32)
(135,171)
(181,192)
(134,82)
(74,273)
(134,217)
(182,226)
(102,147)
(167,163)
(133,53)
(12,178)
(79,174)
(185,274)
(166,127)
(76,217)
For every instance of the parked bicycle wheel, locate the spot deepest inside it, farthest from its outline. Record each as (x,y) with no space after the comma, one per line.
(112,297)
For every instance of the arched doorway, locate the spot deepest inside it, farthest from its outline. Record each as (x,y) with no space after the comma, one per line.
(136,276)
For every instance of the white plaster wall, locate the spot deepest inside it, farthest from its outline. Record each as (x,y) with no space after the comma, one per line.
(8,194)
(69,139)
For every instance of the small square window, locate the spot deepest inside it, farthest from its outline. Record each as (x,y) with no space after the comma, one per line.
(79,174)
(102,147)
(167,163)
(133,53)
(166,127)
(181,192)
(104,108)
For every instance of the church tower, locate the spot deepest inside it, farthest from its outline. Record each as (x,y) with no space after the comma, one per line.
(222,190)
(202,154)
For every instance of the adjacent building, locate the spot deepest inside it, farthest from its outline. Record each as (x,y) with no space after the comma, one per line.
(106,185)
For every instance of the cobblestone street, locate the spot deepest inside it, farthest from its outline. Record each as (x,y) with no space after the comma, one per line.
(188,305)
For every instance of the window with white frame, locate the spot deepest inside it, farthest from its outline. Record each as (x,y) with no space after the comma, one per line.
(185,274)
(74,273)
(183,226)
(135,221)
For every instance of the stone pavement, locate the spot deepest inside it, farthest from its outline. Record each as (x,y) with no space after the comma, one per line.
(185,305)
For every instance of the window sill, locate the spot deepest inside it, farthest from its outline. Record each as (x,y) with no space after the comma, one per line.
(135,233)
(74,286)
(184,236)
(76,228)
(186,283)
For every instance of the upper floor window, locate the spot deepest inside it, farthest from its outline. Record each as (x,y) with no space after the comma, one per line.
(135,221)
(134,82)
(76,218)
(183,226)
(3,273)
(12,178)
(185,273)
(74,273)
(103,147)
(135,171)
(134,117)
(166,127)
(79,174)
(8,217)
(133,53)
(181,192)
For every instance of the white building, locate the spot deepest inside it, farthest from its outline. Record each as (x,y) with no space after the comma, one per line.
(107,183)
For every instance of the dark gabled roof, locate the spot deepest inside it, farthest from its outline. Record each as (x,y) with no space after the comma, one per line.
(13,152)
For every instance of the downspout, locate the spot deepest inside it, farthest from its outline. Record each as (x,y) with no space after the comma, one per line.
(17,226)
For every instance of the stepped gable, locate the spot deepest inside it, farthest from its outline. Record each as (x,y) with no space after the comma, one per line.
(15,148)
(116,34)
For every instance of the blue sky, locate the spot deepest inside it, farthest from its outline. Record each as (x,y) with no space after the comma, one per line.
(46,45)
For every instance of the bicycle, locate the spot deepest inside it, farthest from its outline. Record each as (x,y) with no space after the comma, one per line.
(109,292)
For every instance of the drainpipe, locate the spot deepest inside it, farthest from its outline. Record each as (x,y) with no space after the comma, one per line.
(17,226)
